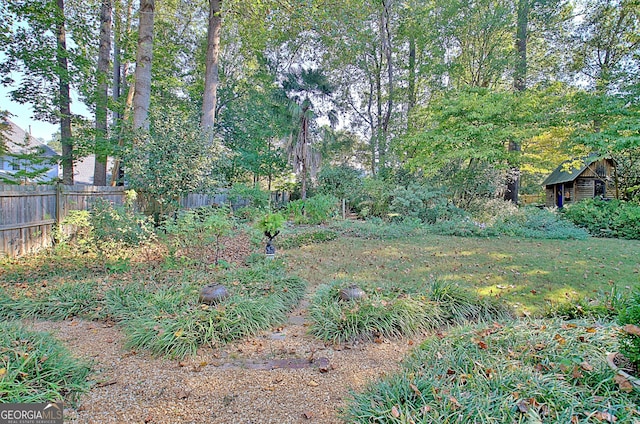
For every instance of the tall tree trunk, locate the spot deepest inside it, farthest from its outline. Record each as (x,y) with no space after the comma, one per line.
(411,100)
(64,99)
(144,56)
(211,78)
(519,84)
(120,72)
(100,167)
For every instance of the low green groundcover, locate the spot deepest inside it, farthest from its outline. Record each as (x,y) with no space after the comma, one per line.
(390,310)
(516,372)
(34,367)
(170,320)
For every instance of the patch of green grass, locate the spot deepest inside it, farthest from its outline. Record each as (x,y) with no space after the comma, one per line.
(292,241)
(34,367)
(521,371)
(526,274)
(60,302)
(169,320)
(394,311)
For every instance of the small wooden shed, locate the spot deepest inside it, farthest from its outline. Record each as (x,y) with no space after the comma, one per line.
(576,180)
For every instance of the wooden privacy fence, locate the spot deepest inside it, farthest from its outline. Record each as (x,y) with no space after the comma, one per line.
(28,214)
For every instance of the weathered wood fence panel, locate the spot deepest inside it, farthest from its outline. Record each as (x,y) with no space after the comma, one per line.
(28,214)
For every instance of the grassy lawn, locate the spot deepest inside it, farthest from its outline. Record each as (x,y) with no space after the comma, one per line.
(527,274)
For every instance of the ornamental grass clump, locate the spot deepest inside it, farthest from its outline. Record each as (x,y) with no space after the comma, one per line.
(518,371)
(169,320)
(60,302)
(395,311)
(35,367)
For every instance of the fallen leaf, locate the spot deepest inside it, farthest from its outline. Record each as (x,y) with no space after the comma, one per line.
(624,384)
(415,389)
(313,383)
(454,402)
(575,419)
(3,371)
(631,329)
(561,340)
(307,415)
(586,366)
(590,330)
(523,406)
(179,333)
(482,344)
(395,412)
(605,416)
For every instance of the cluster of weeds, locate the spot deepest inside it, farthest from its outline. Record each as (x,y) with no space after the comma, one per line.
(395,311)
(517,371)
(34,367)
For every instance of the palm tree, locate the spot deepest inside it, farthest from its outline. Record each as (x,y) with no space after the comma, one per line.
(300,87)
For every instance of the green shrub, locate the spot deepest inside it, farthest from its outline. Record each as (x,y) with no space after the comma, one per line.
(515,372)
(193,232)
(270,224)
(343,182)
(630,343)
(376,198)
(114,226)
(606,218)
(315,210)
(532,222)
(421,202)
(251,196)
(37,368)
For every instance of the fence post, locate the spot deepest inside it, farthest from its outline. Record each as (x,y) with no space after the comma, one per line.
(59,205)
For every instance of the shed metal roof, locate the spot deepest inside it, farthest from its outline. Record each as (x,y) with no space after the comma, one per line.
(565,174)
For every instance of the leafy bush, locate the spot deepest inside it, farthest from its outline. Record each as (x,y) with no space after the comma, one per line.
(606,218)
(490,211)
(519,371)
(114,225)
(421,202)
(37,368)
(270,224)
(342,182)
(537,223)
(241,194)
(315,210)
(630,343)
(192,232)
(106,228)
(376,198)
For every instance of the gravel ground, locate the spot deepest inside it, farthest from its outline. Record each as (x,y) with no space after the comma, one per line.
(278,377)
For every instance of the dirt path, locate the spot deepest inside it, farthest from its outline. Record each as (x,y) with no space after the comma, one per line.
(278,377)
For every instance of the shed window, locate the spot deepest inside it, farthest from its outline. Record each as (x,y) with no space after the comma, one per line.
(599,189)
(601,170)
